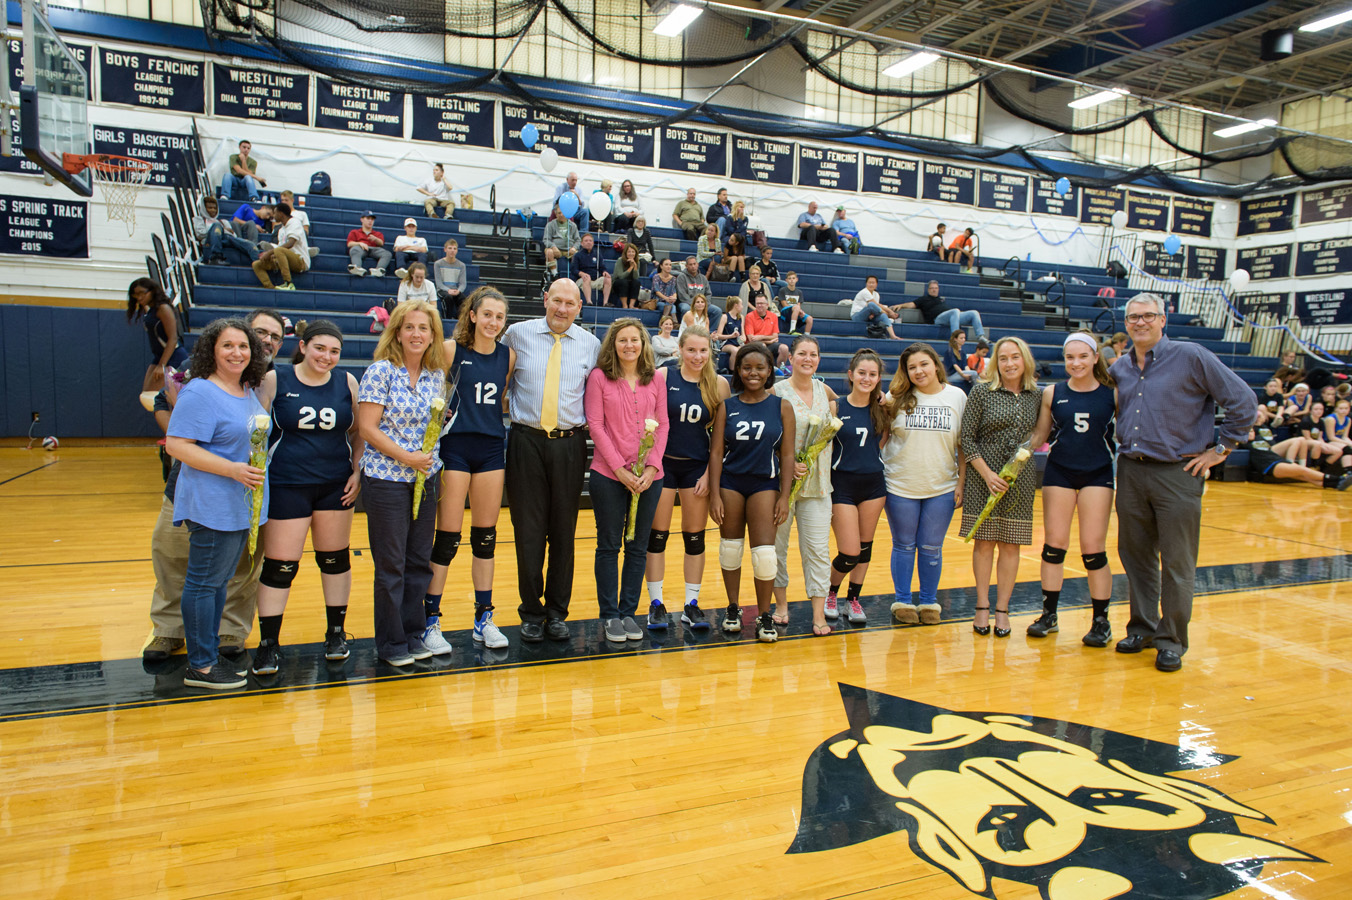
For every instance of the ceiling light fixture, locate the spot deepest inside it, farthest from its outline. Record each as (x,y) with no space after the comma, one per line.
(1328,21)
(1244,128)
(1091,100)
(677,20)
(910,64)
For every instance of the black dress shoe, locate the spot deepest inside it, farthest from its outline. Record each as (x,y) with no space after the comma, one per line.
(1168,661)
(533,632)
(557,630)
(1134,643)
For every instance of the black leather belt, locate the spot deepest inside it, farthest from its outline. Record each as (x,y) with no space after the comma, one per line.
(1153,462)
(550,435)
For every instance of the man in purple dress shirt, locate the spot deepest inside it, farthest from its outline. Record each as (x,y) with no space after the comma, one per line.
(1167,393)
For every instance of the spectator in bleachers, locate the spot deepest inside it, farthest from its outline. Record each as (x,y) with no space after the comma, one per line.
(415,286)
(608,223)
(789,301)
(754,287)
(1328,395)
(561,240)
(1268,465)
(976,362)
(366,242)
(935,244)
(1290,371)
(1336,425)
(936,312)
(450,278)
(409,248)
(730,335)
(588,269)
(1270,402)
(689,216)
(698,315)
(689,282)
(581,218)
(734,257)
(813,230)
(627,280)
(769,271)
(214,233)
(664,287)
(1298,402)
(868,307)
(762,324)
(290,254)
(289,198)
(1112,348)
(242,170)
(736,223)
(248,223)
(719,210)
(664,342)
(639,236)
(629,206)
(706,250)
(956,371)
(963,249)
(437,190)
(847,231)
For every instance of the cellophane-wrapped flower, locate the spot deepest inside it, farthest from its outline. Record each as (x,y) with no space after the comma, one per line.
(259,426)
(645,446)
(435,419)
(1009,472)
(819,436)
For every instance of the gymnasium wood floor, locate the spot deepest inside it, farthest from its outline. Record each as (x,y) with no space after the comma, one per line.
(687,770)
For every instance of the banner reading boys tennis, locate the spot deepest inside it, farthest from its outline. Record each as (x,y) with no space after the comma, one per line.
(41,227)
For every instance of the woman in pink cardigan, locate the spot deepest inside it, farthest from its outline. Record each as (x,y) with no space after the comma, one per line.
(625,402)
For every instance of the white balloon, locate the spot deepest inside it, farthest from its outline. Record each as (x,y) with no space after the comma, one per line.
(1239,279)
(1120,219)
(549,158)
(599,205)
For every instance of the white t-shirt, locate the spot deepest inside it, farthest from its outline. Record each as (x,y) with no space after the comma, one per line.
(427,292)
(294,229)
(920,460)
(302,216)
(436,188)
(411,244)
(863,298)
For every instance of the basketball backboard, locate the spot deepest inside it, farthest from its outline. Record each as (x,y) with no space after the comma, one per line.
(53,109)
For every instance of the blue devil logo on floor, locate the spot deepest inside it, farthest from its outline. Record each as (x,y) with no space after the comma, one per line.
(1076,811)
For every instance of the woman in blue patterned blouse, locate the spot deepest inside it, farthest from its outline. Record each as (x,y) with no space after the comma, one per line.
(394,407)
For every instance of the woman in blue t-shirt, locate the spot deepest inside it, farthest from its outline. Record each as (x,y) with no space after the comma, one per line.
(473,453)
(394,408)
(312,480)
(209,434)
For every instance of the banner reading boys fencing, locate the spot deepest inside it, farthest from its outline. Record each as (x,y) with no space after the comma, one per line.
(951,184)
(890,175)
(152,81)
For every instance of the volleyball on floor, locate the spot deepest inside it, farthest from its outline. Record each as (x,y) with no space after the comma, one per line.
(50,443)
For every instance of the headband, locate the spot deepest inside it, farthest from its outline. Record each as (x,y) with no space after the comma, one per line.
(1081,336)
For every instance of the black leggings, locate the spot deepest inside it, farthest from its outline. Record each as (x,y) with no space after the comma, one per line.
(623,288)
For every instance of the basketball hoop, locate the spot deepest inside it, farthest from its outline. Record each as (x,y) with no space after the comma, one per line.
(121,177)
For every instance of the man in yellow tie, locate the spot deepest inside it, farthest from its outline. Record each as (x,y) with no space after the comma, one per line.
(547,455)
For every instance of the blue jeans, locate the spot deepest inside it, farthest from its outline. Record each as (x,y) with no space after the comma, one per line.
(582,220)
(918,526)
(217,235)
(230,180)
(406,258)
(953,319)
(871,312)
(610,505)
(212,558)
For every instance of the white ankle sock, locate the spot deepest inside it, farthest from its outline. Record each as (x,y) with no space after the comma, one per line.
(655,591)
(691,593)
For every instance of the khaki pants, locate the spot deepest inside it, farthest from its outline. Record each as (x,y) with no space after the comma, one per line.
(431,203)
(283,260)
(169,558)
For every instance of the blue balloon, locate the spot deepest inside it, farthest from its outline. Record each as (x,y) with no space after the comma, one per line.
(1172,245)
(1063,186)
(529,135)
(569,204)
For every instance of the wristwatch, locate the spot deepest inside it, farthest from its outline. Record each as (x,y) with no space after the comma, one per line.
(1223,452)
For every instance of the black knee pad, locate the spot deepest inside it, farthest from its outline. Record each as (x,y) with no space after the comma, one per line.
(1053,555)
(483,541)
(694,542)
(444,546)
(845,562)
(334,562)
(865,551)
(657,541)
(278,573)
(1094,561)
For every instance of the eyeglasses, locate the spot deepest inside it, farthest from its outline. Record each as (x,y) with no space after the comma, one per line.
(270,337)
(1147,318)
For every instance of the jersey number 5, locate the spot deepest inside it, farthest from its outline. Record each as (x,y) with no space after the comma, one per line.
(1082,422)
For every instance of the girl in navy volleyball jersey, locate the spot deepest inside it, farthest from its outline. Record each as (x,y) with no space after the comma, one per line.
(694,393)
(313,475)
(858,489)
(753,468)
(1079,416)
(472,452)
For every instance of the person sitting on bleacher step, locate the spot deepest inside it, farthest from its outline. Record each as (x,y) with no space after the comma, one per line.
(437,190)
(688,216)
(561,241)
(409,248)
(936,312)
(689,282)
(212,232)
(581,218)
(291,253)
(963,249)
(846,230)
(589,269)
(935,244)
(813,230)
(248,222)
(449,277)
(242,169)
(868,307)
(790,303)
(366,242)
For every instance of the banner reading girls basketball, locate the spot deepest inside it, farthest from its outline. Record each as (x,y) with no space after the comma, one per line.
(37,226)
(165,152)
